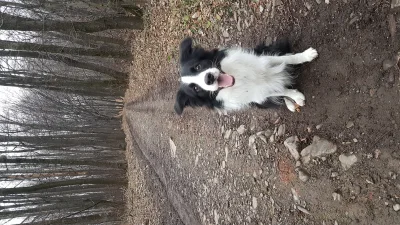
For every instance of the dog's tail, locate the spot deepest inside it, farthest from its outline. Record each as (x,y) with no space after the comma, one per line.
(280,47)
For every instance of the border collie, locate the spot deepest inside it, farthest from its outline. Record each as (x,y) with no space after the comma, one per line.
(236,78)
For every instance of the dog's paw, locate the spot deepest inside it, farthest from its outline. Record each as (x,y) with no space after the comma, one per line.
(296,97)
(310,54)
(290,105)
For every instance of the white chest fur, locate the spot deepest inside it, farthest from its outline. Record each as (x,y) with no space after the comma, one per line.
(256,79)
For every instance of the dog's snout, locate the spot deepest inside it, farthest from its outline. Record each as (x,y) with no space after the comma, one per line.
(209,79)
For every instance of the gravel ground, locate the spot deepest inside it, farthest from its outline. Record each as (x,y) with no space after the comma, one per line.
(335,162)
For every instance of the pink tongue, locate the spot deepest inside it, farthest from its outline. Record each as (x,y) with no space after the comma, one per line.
(225,80)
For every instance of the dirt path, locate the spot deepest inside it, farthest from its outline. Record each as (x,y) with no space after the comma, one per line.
(214,177)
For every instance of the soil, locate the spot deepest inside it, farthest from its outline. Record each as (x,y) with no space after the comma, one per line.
(352,96)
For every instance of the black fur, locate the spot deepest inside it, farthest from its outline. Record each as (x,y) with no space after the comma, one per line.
(194,60)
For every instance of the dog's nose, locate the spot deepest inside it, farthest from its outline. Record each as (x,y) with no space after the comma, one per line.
(209,79)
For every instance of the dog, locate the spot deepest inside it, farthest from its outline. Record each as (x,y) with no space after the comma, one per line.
(236,78)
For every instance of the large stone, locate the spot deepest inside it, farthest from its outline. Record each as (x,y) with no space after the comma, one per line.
(303,175)
(281,130)
(347,161)
(291,144)
(319,147)
(241,129)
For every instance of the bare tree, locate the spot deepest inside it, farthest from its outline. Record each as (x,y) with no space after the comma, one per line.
(61,144)
(11,22)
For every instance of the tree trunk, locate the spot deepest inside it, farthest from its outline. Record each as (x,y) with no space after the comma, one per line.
(92,38)
(26,46)
(64,162)
(69,61)
(49,185)
(10,22)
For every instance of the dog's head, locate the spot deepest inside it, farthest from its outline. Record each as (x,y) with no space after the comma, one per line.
(201,77)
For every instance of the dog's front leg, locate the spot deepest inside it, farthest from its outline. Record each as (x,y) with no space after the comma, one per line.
(298,58)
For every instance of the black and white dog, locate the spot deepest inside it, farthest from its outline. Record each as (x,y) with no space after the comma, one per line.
(236,78)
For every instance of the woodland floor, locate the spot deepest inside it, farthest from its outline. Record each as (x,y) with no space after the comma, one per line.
(352,96)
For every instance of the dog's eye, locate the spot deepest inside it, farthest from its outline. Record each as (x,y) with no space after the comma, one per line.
(195,88)
(197,67)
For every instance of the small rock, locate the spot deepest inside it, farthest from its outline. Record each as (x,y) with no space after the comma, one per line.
(196,15)
(349,124)
(252,140)
(318,1)
(387,64)
(335,223)
(318,126)
(196,160)
(377,153)
(372,92)
(226,153)
(225,34)
(227,134)
(318,148)
(281,130)
(253,124)
(334,174)
(255,204)
(386,203)
(347,161)
(241,129)
(216,217)
(355,189)
(268,133)
(278,120)
(298,164)
(391,77)
(336,196)
(392,175)
(253,151)
(272,139)
(303,175)
(303,210)
(396,207)
(308,5)
(355,140)
(235,136)
(261,8)
(291,145)
(353,20)
(172,147)
(326,1)
(252,145)
(295,196)
(262,137)
(223,165)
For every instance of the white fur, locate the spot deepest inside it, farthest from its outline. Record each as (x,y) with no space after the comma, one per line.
(260,77)
(199,79)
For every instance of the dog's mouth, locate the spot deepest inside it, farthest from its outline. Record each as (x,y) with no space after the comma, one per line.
(224,80)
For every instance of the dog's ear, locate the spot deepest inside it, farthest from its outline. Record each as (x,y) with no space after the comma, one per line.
(186,48)
(182,100)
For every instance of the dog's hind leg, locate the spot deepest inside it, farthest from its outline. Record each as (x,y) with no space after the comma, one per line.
(293,94)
